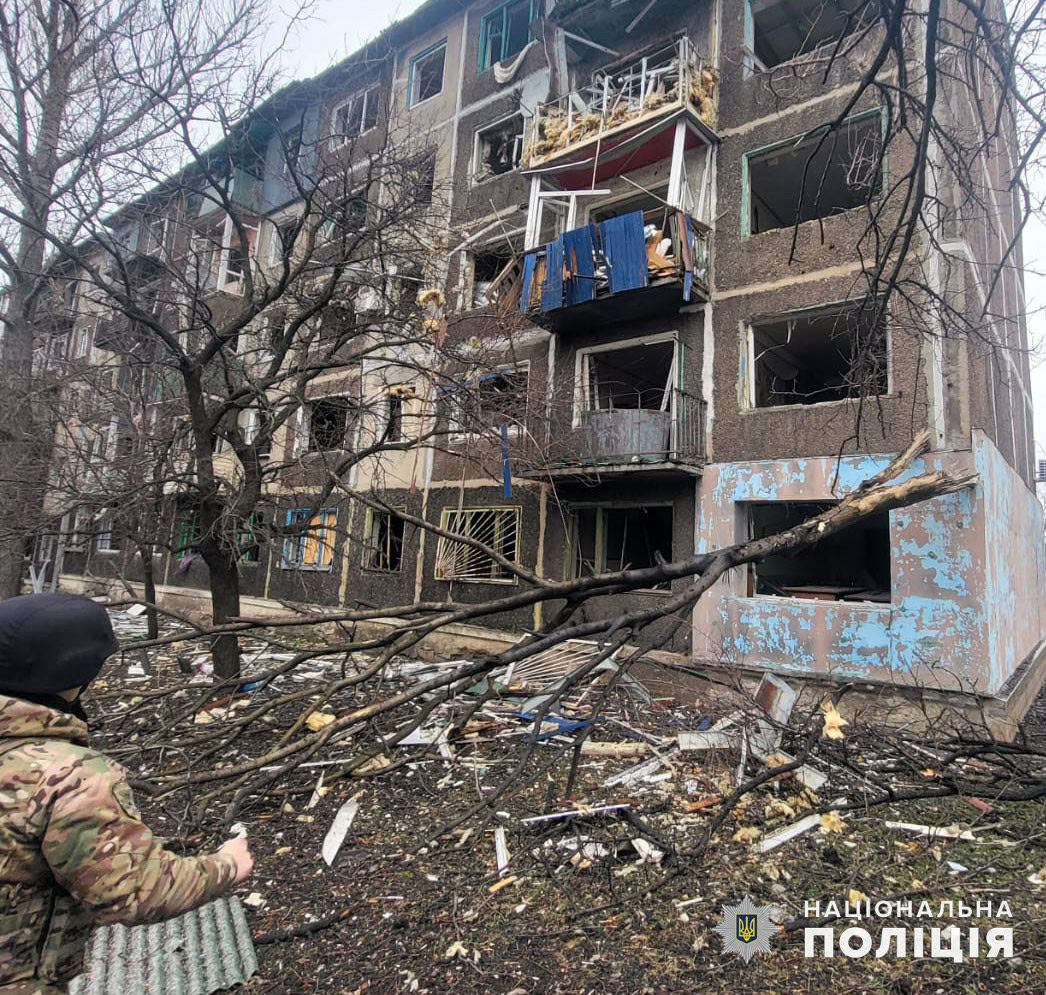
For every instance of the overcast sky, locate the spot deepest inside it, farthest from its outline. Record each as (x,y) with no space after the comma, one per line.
(341,26)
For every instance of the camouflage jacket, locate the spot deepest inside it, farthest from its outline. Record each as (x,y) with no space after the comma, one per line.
(74,851)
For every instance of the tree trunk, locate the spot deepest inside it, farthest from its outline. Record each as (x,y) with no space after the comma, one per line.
(225,605)
(149,592)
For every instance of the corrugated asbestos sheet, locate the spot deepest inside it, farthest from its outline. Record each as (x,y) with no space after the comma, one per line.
(198,953)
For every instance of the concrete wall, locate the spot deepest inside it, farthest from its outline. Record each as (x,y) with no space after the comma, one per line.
(966,590)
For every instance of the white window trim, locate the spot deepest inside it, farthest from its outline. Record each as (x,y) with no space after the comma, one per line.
(108,549)
(455,431)
(338,140)
(581,372)
(474,171)
(748,350)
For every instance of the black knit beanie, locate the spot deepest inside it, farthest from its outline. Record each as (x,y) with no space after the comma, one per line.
(51,643)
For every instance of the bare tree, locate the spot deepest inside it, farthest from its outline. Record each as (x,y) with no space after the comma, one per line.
(93,95)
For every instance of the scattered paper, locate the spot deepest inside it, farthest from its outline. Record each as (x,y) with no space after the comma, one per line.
(339,827)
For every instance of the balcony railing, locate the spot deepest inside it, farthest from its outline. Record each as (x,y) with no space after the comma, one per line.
(667,80)
(626,440)
(629,252)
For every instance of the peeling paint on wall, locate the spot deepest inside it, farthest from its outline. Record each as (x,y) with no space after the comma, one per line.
(967,573)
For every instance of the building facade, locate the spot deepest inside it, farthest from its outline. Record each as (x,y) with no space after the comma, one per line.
(677,345)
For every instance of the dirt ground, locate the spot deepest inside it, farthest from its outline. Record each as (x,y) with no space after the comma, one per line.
(581,906)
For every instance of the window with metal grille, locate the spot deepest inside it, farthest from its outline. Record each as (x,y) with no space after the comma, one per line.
(496,528)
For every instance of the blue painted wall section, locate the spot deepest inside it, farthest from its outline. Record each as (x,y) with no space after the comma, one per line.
(967,575)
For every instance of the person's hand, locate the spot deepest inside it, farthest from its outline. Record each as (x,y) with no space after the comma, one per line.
(237,849)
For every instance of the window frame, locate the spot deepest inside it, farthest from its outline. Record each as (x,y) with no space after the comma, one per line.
(474,170)
(370,548)
(454,429)
(411,73)
(601,508)
(484,59)
(351,403)
(582,373)
(111,544)
(748,355)
(292,553)
(340,139)
(752,62)
(793,142)
(446,522)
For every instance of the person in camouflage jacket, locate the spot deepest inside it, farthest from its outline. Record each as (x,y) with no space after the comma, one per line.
(74,851)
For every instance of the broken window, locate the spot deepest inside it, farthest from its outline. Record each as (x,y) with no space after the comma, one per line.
(104,539)
(483,405)
(506,30)
(248,542)
(850,565)
(313,547)
(348,216)
(486,267)
(638,202)
(383,541)
(281,240)
(426,74)
(791,182)
(630,376)
(496,528)
(393,431)
(821,355)
(498,148)
(782,30)
(328,421)
(354,117)
(421,179)
(609,538)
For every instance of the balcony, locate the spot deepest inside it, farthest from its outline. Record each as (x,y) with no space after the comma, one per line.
(596,272)
(636,443)
(622,112)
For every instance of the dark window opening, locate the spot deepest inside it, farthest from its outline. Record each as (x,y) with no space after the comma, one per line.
(394,420)
(639,202)
(844,172)
(348,216)
(786,29)
(634,377)
(825,356)
(426,74)
(610,539)
(486,267)
(498,148)
(384,542)
(328,421)
(421,178)
(494,399)
(850,565)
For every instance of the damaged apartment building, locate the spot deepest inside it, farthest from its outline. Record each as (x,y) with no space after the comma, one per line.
(678,350)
